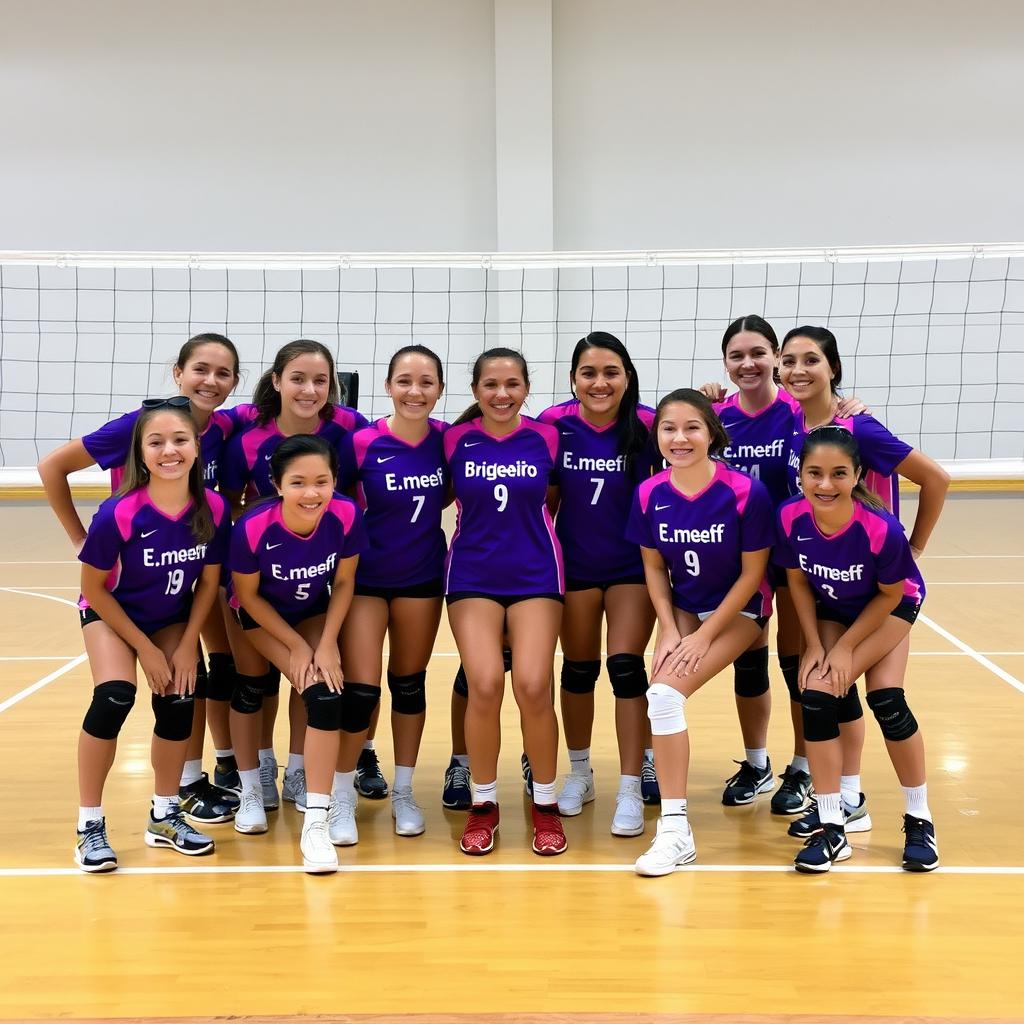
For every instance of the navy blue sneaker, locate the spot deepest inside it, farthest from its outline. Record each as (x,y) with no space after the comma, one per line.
(370,781)
(527,775)
(457,795)
(920,851)
(822,850)
(206,803)
(794,795)
(650,791)
(746,784)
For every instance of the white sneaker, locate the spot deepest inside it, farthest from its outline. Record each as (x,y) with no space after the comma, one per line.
(251,818)
(318,855)
(672,846)
(268,783)
(294,788)
(341,820)
(407,813)
(629,812)
(577,790)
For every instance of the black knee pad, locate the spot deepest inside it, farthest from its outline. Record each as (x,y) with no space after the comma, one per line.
(173,715)
(750,673)
(202,687)
(272,682)
(323,707)
(408,693)
(849,709)
(580,676)
(358,706)
(461,684)
(247,696)
(790,665)
(110,705)
(221,683)
(506,657)
(821,716)
(628,675)
(892,714)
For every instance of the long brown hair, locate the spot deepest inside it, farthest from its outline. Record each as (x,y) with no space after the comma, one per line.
(478,371)
(719,439)
(267,398)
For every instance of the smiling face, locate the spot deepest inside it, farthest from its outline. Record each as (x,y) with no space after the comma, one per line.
(501,390)
(304,385)
(414,386)
(169,448)
(683,435)
(306,488)
(600,382)
(804,369)
(827,478)
(749,361)
(208,376)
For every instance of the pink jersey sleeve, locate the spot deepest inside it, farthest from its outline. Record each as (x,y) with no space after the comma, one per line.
(344,512)
(647,486)
(546,431)
(126,511)
(789,512)
(740,484)
(257,525)
(454,435)
(874,526)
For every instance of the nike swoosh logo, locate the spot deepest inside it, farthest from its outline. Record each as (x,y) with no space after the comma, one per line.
(268,457)
(566,433)
(388,459)
(471,444)
(270,547)
(659,508)
(804,538)
(148,533)
(119,703)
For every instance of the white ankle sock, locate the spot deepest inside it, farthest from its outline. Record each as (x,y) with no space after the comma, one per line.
(629,784)
(368,745)
(192,772)
(579,761)
(849,787)
(916,798)
(222,755)
(87,814)
(250,779)
(757,756)
(486,793)
(829,809)
(317,801)
(343,783)
(673,808)
(403,777)
(543,793)
(164,805)
(800,764)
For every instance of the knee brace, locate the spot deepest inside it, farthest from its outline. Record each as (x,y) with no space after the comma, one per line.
(408,693)
(272,682)
(506,657)
(202,687)
(750,673)
(110,705)
(461,684)
(580,676)
(173,715)
(323,707)
(628,675)
(665,709)
(892,714)
(221,683)
(247,696)
(821,716)
(790,665)
(848,708)
(358,706)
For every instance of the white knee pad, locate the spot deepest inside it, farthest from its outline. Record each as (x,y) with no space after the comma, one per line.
(665,710)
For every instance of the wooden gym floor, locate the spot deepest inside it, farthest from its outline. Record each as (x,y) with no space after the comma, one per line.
(411,930)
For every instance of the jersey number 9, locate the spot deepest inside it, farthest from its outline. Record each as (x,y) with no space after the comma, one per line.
(175,581)
(501,496)
(692,561)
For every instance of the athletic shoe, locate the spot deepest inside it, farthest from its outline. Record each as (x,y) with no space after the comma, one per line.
(207,804)
(225,776)
(251,817)
(268,783)
(794,795)
(524,761)
(857,820)
(577,790)
(747,783)
(481,828)
(456,796)
(294,789)
(341,820)
(548,834)
(629,813)
(822,850)
(407,813)
(175,832)
(318,855)
(673,846)
(920,851)
(650,791)
(93,852)
(370,779)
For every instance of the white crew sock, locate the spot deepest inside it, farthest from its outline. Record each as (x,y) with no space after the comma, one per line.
(849,787)
(164,805)
(829,809)
(800,764)
(917,801)
(87,814)
(757,756)
(629,784)
(250,779)
(343,783)
(673,808)
(192,772)
(487,793)
(403,777)
(579,761)
(543,793)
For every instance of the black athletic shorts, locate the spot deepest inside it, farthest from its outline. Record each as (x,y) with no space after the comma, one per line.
(605,585)
(906,610)
(87,615)
(505,600)
(432,588)
(319,607)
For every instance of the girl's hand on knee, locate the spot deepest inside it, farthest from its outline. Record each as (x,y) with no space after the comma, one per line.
(690,652)
(667,643)
(839,665)
(300,665)
(813,659)
(183,670)
(154,664)
(327,662)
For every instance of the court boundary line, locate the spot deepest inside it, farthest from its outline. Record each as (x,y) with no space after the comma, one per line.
(972,653)
(39,684)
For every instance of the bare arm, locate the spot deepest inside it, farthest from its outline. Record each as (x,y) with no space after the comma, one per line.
(54,470)
(659,587)
(803,601)
(326,657)
(934,483)
(839,660)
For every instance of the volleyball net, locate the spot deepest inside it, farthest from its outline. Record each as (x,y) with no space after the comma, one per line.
(931,337)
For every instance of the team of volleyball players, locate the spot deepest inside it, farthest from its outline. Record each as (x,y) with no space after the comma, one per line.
(599,518)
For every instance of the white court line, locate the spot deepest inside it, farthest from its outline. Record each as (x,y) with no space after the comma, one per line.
(74,561)
(44,597)
(45,681)
(923,556)
(972,653)
(38,657)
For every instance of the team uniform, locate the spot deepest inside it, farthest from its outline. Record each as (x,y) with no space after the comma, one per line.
(504,546)
(702,537)
(595,492)
(402,489)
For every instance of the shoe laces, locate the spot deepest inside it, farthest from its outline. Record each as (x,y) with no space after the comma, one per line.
(480,824)
(404,802)
(647,772)
(916,830)
(791,782)
(547,825)
(181,827)
(457,777)
(629,803)
(747,774)
(268,772)
(575,785)
(827,838)
(94,837)
(250,801)
(317,831)
(369,764)
(340,810)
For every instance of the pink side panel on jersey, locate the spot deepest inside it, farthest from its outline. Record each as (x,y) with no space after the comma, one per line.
(912,590)
(343,512)
(218,506)
(126,510)
(648,486)
(455,537)
(740,484)
(789,513)
(361,441)
(646,416)
(258,525)
(252,439)
(765,591)
(881,486)
(546,431)
(874,526)
(558,412)
(549,524)
(343,416)
(454,435)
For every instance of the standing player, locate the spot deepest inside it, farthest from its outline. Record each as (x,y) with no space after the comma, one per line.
(857,592)
(206,371)
(293,563)
(158,539)
(705,531)
(504,575)
(603,453)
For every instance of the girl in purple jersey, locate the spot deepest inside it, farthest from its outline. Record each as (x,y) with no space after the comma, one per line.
(206,371)
(857,592)
(504,575)
(401,479)
(150,565)
(297,395)
(293,564)
(604,452)
(705,531)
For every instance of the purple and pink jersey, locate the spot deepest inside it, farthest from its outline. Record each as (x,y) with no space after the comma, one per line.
(401,488)
(702,536)
(595,491)
(245,464)
(845,569)
(759,442)
(153,558)
(296,572)
(504,542)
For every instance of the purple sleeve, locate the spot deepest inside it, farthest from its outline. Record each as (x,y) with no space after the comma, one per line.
(233,472)
(217,548)
(880,449)
(102,546)
(242,558)
(348,470)
(109,446)
(356,541)
(757,520)
(895,562)
(638,527)
(783,553)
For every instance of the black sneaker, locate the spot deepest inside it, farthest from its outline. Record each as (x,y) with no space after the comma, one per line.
(650,791)
(524,762)
(857,820)
(795,792)
(206,803)
(370,781)
(821,851)
(747,783)
(177,834)
(920,851)
(225,776)
(93,852)
(457,795)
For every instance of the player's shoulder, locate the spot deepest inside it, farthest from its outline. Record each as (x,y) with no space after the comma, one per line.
(646,414)
(545,430)
(218,506)
(793,509)
(559,411)
(647,487)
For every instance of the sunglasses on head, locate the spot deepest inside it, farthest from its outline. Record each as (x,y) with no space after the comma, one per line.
(175,402)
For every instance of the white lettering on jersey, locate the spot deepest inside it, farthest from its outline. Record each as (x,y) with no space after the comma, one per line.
(826,572)
(756,451)
(420,482)
(151,558)
(305,572)
(496,471)
(712,535)
(587,465)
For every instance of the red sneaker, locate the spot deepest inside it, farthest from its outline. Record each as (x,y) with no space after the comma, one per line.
(481,825)
(548,834)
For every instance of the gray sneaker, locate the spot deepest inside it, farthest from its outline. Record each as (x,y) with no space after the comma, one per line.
(175,832)
(294,789)
(93,852)
(268,780)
